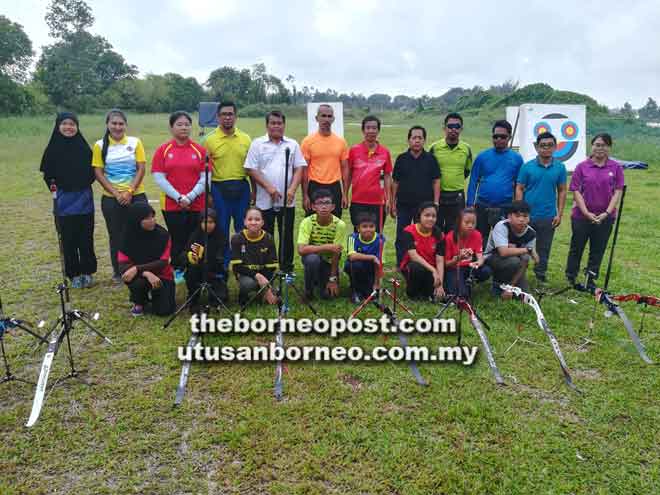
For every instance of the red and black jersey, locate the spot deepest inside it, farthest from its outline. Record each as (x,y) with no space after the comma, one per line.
(428,246)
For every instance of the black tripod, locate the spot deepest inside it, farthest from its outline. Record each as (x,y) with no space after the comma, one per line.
(204,288)
(7,323)
(462,302)
(285,280)
(61,329)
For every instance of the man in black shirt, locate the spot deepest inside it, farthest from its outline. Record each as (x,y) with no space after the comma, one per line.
(416,179)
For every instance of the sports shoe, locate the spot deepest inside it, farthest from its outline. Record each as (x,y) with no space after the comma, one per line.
(178,276)
(116,279)
(87,281)
(137,310)
(77,282)
(355,298)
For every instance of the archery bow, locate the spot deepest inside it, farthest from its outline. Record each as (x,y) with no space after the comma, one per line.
(528,299)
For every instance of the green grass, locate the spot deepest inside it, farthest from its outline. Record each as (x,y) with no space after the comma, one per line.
(343,428)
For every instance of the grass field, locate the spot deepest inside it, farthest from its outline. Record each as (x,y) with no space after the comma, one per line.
(343,428)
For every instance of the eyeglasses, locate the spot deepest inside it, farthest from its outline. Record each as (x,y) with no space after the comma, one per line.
(322,204)
(500,136)
(546,146)
(454,126)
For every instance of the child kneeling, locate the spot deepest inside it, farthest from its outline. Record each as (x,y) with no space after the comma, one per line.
(253,258)
(144,262)
(193,259)
(320,239)
(363,263)
(464,255)
(423,261)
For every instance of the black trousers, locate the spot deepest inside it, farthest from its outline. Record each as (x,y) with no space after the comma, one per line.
(193,277)
(317,273)
(451,204)
(78,244)
(356,209)
(419,281)
(115,216)
(180,225)
(545,232)
(597,235)
(270,217)
(335,190)
(162,299)
(362,275)
(487,217)
(404,217)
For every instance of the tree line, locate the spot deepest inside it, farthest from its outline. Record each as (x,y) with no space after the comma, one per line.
(82,72)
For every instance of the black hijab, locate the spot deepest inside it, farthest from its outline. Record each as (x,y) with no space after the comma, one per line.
(68,161)
(143,246)
(216,238)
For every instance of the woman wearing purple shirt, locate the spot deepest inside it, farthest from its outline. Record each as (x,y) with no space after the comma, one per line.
(596,184)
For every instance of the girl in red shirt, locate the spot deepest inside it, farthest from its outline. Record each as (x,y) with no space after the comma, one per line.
(464,254)
(423,261)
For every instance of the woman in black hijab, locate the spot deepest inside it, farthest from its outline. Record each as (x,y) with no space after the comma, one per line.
(67,163)
(144,261)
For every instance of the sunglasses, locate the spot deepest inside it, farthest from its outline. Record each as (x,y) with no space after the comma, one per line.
(321,204)
(500,136)
(546,146)
(454,126)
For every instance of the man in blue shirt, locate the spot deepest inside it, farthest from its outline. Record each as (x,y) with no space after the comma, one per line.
(493,180)
(542,183)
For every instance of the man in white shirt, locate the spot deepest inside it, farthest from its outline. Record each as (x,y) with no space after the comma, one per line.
(265,163)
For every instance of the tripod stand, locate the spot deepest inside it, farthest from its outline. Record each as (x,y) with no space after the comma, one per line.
(462,303)
(61,329)
(6,323)
(204,289)
(285,280)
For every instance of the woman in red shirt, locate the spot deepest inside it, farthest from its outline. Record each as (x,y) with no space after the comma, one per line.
(464,254)
(423,261)
(178,169)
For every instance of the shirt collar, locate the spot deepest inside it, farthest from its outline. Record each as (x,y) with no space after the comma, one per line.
(123,140)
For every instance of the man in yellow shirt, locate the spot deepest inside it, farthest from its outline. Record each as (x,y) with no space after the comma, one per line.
(326,155)
(227,148)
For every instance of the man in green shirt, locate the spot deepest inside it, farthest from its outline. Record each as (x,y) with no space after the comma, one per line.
(455,161)
(321,237)
(227,148)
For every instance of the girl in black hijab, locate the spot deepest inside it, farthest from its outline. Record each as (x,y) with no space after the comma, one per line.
(67,163)
(144,261)
(192,258)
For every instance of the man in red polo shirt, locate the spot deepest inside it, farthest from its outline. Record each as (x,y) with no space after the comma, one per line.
(366,162)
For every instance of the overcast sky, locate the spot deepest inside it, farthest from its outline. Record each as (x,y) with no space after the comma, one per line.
(608,49)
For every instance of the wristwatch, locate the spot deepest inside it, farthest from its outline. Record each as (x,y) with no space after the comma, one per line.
(333,278)
(529,250)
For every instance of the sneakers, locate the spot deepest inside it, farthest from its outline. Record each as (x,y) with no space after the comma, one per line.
(116,279)
(77,282)
(178,276)
(355,298)
(87,281)
(137,310)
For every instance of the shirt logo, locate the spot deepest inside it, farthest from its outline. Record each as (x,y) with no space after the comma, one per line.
(193,156)
(129,148)
(611,174)
(170,156)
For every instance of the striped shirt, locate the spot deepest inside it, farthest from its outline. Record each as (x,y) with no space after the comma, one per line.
(120,167)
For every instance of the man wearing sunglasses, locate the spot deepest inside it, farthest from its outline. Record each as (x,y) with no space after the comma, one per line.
(455,161)
(542,183)
(493,180)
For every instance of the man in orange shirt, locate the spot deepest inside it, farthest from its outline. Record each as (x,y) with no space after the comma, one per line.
(326,155)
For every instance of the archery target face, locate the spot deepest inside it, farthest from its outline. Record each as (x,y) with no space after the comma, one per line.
(565,122)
